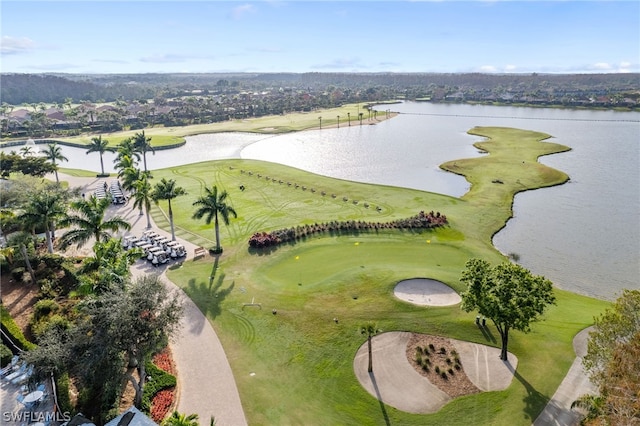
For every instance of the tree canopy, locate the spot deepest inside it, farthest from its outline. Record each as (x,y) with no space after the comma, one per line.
(508,294)
(613,363)
(115,331)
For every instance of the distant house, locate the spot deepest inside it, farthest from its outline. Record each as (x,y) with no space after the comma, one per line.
(20,115)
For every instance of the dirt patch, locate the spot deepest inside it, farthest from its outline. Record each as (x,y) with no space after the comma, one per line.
(436,359)
(19,298)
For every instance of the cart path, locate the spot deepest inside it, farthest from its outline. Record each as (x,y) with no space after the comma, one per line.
(206,385)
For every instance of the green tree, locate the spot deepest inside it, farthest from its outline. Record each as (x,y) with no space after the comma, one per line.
(114,334)
(100,146)
(43,209)
(24,242)
(108,267)
(27,151)
(53,153)
(88,221)
(211,206)
(507,294)
(177,419)
(140,320)
(142,197)
(127,148)
(370,329)
(142,144)
(613,363)
(30,165)
(167,190)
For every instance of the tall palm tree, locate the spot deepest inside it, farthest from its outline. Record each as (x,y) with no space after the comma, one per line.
(43,209)
(211,205)
(89,222)
(167,190)
(142,197)
(177,419)
(127,148)
(53,153)
(100,146)
(143,145)
(370,329)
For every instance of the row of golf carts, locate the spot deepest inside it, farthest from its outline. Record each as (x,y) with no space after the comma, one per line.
(114,191)
(157,249)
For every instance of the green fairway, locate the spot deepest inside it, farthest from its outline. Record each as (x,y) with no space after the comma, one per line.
(295,366)
(272,124)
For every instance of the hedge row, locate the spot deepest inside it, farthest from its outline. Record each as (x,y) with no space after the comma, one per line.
(13,331)
(158,380)
(420,221)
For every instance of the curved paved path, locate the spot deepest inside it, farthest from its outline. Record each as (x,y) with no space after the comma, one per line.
(558,411)
(206,385)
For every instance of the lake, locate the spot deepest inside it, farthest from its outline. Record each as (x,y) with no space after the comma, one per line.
(584,235)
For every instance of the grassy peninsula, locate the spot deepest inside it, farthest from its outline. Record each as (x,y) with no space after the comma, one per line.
(295,366)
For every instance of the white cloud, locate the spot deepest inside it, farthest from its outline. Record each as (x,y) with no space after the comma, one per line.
(14,46)
(240,11)
(488,68)
(602,66)
(163,58)
(510,68)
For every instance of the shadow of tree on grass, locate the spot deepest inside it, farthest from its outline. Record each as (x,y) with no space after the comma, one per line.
(209,295)
(534,400)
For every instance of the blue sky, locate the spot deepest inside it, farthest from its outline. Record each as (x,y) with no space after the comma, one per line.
(320,36)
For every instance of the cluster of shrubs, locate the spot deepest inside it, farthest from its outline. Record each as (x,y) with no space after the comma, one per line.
(420,221)
(444,371)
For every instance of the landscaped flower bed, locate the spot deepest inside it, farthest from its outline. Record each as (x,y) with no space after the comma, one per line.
(163,400)
(161,404)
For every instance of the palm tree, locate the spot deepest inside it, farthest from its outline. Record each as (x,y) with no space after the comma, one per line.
(212,205)
(167,190)
(27,151)
(127,148)
(177,419)
(108,267)
(142,197)
(143,144)
(43,209)
(89,222)
(22,239)
(370,329)
(100,146)
(54,153)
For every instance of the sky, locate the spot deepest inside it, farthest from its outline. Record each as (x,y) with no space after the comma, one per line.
(496,36)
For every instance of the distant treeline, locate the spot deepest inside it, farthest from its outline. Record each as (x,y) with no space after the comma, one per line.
(17,89)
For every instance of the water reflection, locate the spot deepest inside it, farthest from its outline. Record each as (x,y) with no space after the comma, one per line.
(584,235)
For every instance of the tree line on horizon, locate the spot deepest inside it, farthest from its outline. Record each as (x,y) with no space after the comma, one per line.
(18,89)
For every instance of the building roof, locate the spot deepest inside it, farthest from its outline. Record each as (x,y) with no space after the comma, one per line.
(131,417)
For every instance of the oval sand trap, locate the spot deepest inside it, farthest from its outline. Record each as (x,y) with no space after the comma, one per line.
(426,292)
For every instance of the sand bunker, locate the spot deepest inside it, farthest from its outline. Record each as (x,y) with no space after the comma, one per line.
(426,292)
(396,383)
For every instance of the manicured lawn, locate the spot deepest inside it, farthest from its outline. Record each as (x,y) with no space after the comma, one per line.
(77,172)
(295,366)
(162,136)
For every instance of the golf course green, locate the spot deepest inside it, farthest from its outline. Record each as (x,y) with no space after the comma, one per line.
(292,361)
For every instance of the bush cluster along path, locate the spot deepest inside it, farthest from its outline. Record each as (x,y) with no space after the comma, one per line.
(206,385)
